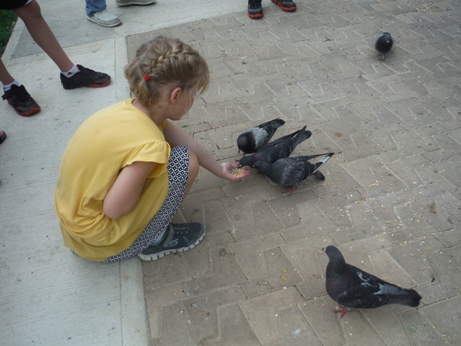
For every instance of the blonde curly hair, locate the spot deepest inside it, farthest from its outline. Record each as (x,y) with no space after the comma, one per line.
(165,61)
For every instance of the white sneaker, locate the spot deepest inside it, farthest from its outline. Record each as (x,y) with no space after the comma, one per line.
(135,2)
(104,18)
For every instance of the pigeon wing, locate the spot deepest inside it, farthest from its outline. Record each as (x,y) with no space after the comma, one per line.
(368,291)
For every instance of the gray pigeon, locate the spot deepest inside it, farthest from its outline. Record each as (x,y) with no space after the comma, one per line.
(353,288)
(384,44)
(290,171)
(278,149)
(254,138)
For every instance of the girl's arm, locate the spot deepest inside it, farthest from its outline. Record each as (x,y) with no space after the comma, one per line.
(176,137)
(124,193)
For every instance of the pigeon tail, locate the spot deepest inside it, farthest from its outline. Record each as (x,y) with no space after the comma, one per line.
(301,136)
(411,298)
(319,175)
(322,162)
(275,123)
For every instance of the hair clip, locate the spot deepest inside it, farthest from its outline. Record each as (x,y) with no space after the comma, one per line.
(146,77)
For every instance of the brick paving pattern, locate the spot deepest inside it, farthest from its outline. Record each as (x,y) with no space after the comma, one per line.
(391,199)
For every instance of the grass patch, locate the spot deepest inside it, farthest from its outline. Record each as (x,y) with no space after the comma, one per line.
(7,20)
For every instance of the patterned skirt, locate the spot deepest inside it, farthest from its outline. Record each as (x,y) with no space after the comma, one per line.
(178,173)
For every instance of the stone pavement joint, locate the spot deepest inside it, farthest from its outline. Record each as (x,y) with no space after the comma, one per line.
(390,201)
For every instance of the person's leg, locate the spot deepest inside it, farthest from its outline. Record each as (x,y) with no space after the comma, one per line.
(161,237)
(5,76)
(16,94)
(93,6)
(255,11)
(194,167)
(96,12)
(42,35)
(285,5)
(135,2)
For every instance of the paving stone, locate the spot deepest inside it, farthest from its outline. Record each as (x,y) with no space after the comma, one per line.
(307,256)
(234,329)
(412,257)
(414,226)
(278,273)
(262,313)
(432,209)
(446,282)
(420,331)
(393,331)
(241,197)
(325,324)
(164,273)
(162,298)
(264,222)
(193,208)
(289,214)
(250,254)
(443,315)
(178,333)
(390,200)
(311,222)
(294,330)
(386,268)
(312,289)
(224,271)
(337,181)
(203,311)
(357,330)
(334,207)
(198,260)
(364,225)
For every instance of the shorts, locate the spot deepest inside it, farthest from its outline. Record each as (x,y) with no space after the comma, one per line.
(12,4)
(178,174)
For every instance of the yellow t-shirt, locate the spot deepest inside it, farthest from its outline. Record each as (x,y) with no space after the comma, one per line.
(106,142)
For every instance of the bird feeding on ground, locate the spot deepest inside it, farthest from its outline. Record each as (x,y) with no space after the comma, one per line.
(290,171)
(254,138)
(277,149)
(353,288)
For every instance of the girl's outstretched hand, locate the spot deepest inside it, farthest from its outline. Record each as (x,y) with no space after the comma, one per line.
(231,171)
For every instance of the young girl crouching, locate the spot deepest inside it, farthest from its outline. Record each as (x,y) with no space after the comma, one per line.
(127,168)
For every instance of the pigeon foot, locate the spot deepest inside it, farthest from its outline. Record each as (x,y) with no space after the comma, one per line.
(290,190)
(342,310)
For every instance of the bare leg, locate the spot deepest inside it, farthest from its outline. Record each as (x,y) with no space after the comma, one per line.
(193,171)
(42,35)
(5,76)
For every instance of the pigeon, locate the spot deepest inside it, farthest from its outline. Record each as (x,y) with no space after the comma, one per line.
(290,171)
(254,138)
(353,288)
(277,149)
(384,44)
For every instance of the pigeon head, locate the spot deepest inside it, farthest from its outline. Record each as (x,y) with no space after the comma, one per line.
(244,161)
(334,254)
(250,160)
(242,142)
